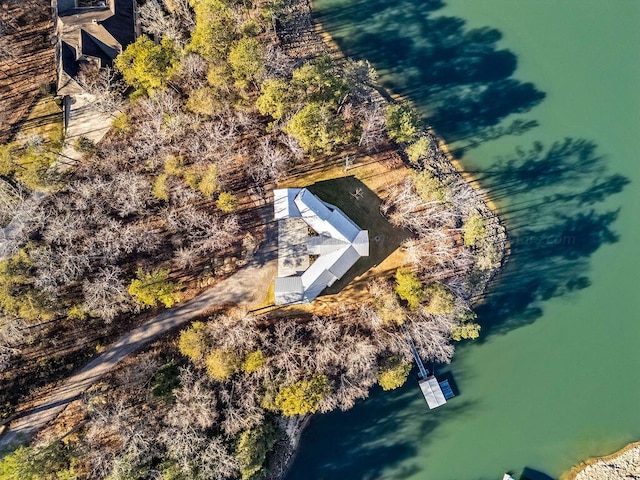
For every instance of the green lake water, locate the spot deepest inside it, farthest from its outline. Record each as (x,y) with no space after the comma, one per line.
(541,100)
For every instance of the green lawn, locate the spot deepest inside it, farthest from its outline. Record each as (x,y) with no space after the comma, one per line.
(45,119)
(362,205)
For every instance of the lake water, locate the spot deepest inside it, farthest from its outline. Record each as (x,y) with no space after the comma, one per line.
(541,100)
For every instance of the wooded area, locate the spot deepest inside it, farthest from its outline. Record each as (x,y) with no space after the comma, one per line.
(212,108)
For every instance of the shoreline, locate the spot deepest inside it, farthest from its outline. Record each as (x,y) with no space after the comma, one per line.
(443,162)
(583,470)
(494,211)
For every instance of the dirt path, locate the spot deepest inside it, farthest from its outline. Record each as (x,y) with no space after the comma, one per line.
(242,288)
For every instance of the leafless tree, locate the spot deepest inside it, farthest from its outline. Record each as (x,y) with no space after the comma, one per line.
(14,334)
(193,71)
(431,335)
(105,86)
(129,193)
(106,294)
(272,163)
(182,10)
(58,267)
(241,405)
(277,63)
(160,24)
(372,124)
(195,403)
(294,147)
(215,461)
(204,232)
(404,207)
(12,198)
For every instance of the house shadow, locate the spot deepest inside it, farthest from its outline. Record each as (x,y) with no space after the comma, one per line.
(362,206)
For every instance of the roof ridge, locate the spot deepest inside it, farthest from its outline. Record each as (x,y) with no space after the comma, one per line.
(344,241)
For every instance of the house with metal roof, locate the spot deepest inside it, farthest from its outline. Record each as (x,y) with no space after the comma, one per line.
(338,244)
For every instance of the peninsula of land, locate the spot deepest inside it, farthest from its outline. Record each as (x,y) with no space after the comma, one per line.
(138,287)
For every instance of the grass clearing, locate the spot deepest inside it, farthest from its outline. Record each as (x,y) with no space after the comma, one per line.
(269,300)
(44,119)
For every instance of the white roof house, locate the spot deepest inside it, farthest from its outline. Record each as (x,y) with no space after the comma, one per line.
(339,245)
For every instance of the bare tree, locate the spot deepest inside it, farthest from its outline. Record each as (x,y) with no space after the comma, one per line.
(12,198)
(105,86)
(241,405)
(13,335)
(182,10)
(58,267)
(160,24)
(372,124)
(277,63)
(193,71)
(215,461)
(272,163)
(195,403)
(294,147)
(106,294)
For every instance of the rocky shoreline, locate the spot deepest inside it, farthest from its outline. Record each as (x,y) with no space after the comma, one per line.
(304,39)
(621,465)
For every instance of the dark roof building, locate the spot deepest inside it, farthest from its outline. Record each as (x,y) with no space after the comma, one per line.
(91,35)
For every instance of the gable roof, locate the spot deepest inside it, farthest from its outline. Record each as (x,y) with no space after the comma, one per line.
(432,391)
(92,34)
(340,244)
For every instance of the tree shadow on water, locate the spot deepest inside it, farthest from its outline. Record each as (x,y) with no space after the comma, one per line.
(558,215)
(379,440)
(459,77)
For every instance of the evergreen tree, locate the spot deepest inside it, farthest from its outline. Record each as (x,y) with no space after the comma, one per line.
(147,65)
(302,397)
(151,288)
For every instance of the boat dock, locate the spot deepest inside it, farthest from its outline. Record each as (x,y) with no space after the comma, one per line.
(435,393)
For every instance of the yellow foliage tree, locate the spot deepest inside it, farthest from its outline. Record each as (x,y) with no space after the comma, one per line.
(302,397)
(227,202)
(440,300)
(393,373)
(208,183)
(221,364)
(253,361)
(160,189)
(151,288)
(193,341)
(147,65)
(409,287)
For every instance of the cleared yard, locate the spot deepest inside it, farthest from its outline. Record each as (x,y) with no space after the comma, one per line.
(358,192)
(44,119)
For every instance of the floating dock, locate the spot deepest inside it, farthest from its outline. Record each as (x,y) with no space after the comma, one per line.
(435,393)
(432,391)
